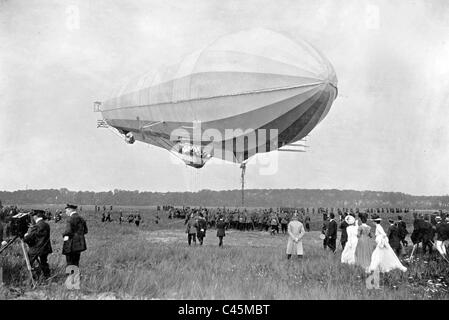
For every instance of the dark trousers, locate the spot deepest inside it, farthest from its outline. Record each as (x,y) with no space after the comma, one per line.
(73,259)
(325,243)
(200,238)
(307,227)
(284,227)
(190,237)
(220,241)
(289,256)
(427,245)
(332,244)
(43,264)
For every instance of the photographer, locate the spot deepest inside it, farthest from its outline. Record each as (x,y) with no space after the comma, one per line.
(38,240)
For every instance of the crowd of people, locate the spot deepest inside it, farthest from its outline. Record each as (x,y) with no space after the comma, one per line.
(369,247)
(258,219)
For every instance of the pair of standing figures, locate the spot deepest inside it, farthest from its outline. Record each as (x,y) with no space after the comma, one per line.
(373,256)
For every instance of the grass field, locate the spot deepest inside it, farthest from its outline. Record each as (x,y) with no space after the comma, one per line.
(155,262)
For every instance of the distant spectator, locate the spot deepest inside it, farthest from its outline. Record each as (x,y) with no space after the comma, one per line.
(201,228)
(191,229)
(221,225)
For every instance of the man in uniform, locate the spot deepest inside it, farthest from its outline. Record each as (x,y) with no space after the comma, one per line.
(38,241)
(74,240)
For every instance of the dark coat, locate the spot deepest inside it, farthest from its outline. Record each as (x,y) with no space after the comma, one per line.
(393,237)
(422,231)
(38,239)
(221,228)
(442,231)
(332,230)
(402,229)
(344,233)
(201,225)
(1,231)
(76,228)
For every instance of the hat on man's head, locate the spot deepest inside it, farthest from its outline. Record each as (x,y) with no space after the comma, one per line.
(390,220)
(70,206)
(399,217)
(375,217)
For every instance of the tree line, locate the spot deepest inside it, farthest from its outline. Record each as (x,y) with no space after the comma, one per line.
(231,198)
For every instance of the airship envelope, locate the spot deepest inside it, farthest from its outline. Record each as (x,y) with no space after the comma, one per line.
(245,93)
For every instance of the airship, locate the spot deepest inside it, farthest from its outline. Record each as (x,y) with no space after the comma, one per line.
(245,93)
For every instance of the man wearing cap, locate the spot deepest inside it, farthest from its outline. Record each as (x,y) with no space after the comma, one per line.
(295,232)
(38,241)
(74,241)
(393,237)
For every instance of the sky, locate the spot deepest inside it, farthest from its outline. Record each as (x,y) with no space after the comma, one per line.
(388,130)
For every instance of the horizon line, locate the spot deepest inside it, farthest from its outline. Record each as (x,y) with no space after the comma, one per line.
(227,190)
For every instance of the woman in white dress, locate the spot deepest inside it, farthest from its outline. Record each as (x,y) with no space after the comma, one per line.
(348,254)
(383,258)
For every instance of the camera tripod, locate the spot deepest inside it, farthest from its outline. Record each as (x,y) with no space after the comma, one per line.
(25,255)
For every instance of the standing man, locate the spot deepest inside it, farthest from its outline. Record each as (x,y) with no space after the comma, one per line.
(344,234)
(332,233)
(74,241)
(402,230)
(394,238)
(324,230)
(191,229)
(201,228)
(428,235)
(221,226)
(442,232)
(284,222)
(38,241)
(295,234)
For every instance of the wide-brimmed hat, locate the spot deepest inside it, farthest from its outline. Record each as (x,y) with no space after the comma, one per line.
(375,217)
(350,219)
(70,206)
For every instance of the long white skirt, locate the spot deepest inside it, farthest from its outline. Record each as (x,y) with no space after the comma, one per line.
(348,254)
(384,259)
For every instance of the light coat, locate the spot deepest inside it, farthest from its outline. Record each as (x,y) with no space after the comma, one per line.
(295,231)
